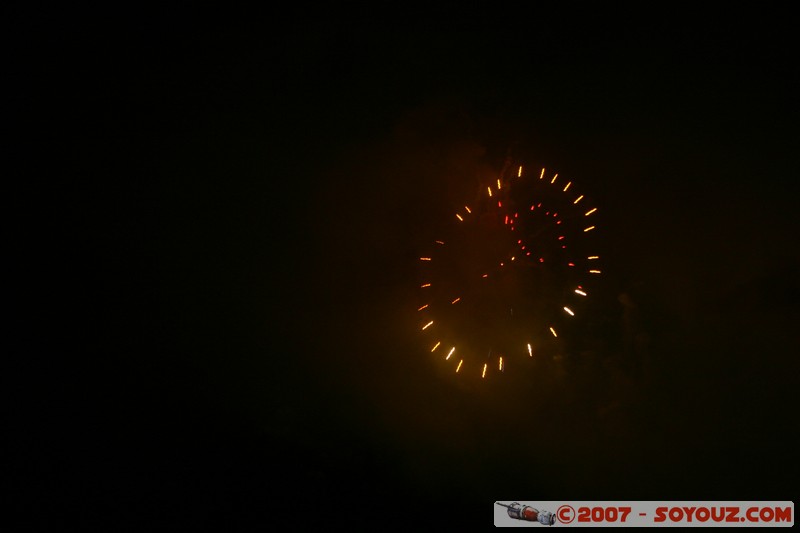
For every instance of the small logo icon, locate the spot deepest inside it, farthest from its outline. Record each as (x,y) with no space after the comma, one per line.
(526,512)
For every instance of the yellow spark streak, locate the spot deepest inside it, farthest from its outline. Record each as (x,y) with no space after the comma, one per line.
(592,210)
(484,371)
(426,325)
(553,332)
(567,186)
(468,209)
(426,285)
(453,349)
(590,228)
(498,184)
(424,258)
(459,366)
(454,301)
(439,242)
(519,174)
(578,200)
(459,218)
(542,174)
(593,257)
(568,310)
(490,191)
(578,291)
(554,178)
(434,348)
(500,366)
(594,271)
(485,276)
(530,350)
(423,307)
(512,258)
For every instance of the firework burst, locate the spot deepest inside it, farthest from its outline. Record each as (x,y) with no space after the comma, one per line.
(508,279)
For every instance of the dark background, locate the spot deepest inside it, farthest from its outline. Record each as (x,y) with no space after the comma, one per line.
(221,214)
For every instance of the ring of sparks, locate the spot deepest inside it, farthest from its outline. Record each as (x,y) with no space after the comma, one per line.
(512,271)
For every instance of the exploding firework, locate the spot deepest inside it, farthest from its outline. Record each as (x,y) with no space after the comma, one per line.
(508,280)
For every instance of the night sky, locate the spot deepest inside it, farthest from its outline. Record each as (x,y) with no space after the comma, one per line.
(223,295)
